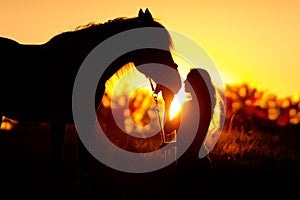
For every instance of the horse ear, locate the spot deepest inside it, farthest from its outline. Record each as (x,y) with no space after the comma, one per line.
(141,14)
(148,15)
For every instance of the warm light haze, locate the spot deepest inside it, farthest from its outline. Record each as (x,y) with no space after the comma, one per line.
(256,42)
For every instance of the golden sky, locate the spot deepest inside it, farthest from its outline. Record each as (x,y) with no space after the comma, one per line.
(253,41)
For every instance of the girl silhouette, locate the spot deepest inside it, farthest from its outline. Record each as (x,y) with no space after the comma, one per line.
(194,172)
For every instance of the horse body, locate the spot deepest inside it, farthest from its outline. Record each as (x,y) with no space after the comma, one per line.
(37,80)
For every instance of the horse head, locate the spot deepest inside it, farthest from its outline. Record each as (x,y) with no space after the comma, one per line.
(154,61)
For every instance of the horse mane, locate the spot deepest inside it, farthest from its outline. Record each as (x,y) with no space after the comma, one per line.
(85,26)
(93,24)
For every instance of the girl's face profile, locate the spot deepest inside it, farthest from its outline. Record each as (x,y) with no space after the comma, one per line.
(187,86)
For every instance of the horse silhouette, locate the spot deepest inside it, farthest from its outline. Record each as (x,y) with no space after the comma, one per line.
(37,80)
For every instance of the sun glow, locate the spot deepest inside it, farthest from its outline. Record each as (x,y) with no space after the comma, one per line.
(176,104)
(129,85)
(175,108)
(125,83)
(138,111)
(129,92)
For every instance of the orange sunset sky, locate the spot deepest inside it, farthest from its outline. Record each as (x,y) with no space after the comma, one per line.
(257,41)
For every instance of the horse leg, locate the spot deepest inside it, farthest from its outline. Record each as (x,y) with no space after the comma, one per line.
(0,119)
(58,129)
(83,156)
(83,170)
